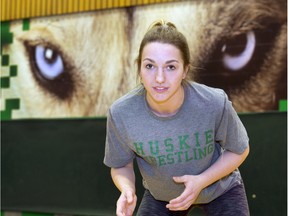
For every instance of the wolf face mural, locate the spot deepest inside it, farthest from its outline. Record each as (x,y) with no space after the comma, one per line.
(76,65)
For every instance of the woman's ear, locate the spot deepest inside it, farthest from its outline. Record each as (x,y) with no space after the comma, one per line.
(186,70)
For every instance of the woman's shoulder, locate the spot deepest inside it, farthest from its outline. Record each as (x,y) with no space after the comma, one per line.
(208,91)
(207,98)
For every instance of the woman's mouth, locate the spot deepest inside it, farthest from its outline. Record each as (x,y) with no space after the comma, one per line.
(160,89)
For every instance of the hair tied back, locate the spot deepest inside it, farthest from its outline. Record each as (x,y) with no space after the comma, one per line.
(161,23)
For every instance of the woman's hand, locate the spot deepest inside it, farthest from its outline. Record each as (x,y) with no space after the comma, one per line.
(193,186)
(126,203)
(225,164)
(124,179)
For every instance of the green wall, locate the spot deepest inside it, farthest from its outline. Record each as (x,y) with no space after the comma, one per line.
(55,166)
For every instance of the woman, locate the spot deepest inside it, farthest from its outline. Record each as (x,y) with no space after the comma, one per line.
(186,137)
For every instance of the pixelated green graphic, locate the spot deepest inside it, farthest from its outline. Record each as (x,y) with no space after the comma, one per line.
(283,105)
(26,24)
(5,81)
(5,60)
(6,35)
(9,104)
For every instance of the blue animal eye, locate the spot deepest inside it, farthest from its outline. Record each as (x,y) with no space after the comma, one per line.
(237,60)
(51,71)
(49,62)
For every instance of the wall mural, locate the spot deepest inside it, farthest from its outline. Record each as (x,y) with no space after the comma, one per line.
(76,65)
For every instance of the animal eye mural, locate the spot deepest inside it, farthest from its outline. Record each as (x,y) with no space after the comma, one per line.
(76,65)
(50,70)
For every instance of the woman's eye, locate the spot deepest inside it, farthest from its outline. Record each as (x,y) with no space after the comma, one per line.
(149,66)
(50,69)
(171,67)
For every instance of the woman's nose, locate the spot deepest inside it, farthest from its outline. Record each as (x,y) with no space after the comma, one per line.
(160,77)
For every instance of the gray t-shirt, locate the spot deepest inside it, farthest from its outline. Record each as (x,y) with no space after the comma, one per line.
(186,143)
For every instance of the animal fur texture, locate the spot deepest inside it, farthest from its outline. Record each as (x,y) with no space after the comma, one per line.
(76,65)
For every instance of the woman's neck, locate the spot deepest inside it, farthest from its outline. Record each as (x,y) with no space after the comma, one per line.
(168,108)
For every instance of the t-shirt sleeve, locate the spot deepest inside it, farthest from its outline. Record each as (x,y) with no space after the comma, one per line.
(231,133)
(117,151)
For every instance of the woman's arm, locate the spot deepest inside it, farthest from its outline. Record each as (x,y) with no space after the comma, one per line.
(226,164)
(124,179)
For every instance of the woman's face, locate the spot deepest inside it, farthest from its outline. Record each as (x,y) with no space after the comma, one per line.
(162,71)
